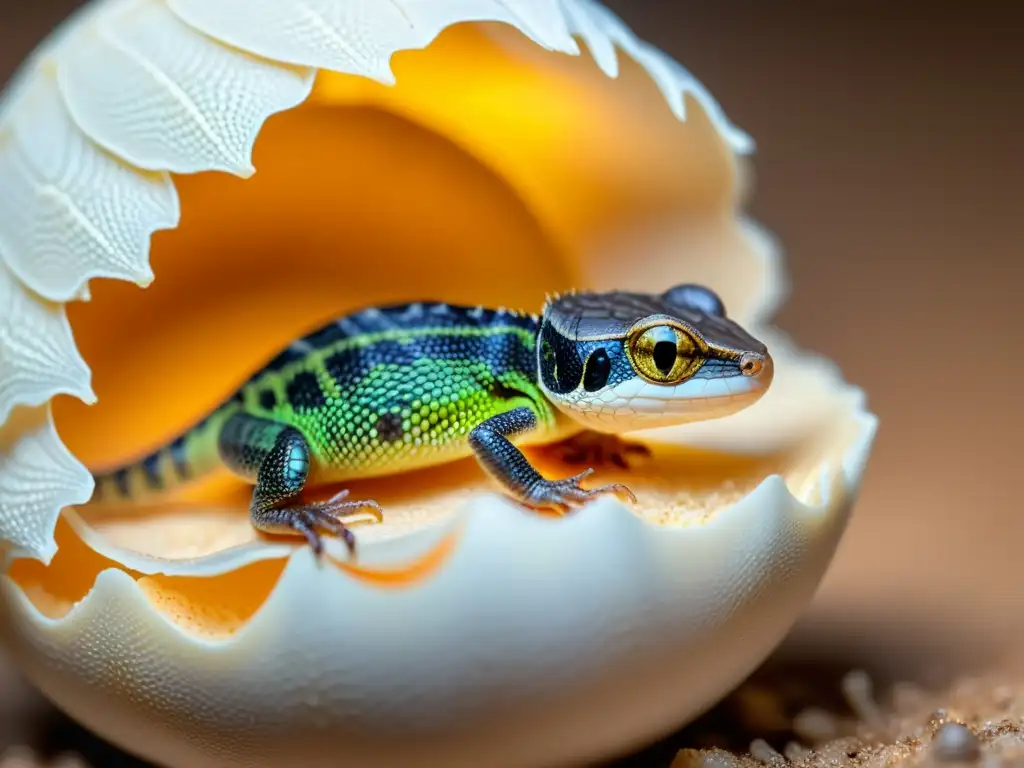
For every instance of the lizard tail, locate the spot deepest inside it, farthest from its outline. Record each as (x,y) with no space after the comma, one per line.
(188,457)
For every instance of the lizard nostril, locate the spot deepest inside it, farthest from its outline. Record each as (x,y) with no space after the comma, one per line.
(751,364)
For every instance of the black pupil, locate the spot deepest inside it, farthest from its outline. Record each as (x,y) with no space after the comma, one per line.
(665,356)
(597,370)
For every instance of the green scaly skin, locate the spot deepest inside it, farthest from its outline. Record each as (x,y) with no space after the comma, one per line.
(404,387)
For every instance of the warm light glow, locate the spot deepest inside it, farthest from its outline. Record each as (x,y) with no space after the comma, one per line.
(502,173)
(493,173)
(477,179)
(350,206)
(407,573)
(54,589)
(214,606)
(586,152)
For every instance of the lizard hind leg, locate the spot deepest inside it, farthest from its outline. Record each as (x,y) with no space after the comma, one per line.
(276,457)
(600,449)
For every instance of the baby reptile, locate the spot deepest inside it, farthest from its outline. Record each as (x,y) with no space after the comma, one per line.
(390,389)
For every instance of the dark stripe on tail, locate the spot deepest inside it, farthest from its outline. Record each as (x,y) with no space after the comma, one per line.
(121,481)
(186,457)
(151,474)
(151,471)
(180,458)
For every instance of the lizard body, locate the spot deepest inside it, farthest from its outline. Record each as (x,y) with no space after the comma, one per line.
(396,388)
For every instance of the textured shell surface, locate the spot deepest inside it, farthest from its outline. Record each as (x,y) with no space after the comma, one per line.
(470,632)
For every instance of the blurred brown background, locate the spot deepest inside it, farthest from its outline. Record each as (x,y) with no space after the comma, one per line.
(889,164)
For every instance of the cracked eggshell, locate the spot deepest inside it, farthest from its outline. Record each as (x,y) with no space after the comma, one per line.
(535,642)
(471,632)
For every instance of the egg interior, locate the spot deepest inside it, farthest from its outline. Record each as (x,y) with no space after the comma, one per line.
(493,172)
(473,180)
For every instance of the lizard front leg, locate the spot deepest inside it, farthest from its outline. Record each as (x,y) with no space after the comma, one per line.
(276,457)
(507,464)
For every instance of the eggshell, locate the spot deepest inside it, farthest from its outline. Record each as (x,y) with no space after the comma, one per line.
(470,631)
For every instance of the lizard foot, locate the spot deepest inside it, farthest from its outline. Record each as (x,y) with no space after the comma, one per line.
(330,516)
(566,494)
(596,448)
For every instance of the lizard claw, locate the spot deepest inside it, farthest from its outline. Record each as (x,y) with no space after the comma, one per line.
(568,493)
(330,516)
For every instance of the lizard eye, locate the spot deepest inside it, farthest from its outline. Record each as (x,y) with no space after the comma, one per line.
(664,354)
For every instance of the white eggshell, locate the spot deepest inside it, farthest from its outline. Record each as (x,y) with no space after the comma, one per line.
(56,231)
(38,478)
(132,82)
(360,37)
(537,643)
(531,641)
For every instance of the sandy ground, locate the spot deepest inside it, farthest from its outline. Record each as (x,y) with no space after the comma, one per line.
(805,715)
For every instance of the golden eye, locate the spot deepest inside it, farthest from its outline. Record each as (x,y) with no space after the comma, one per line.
(665,354)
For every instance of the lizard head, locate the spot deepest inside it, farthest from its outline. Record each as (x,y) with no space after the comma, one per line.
(621,361)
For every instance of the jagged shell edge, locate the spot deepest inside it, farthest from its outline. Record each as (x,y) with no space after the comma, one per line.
(316,33)
(38,478)
(104,38)
(603,32)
